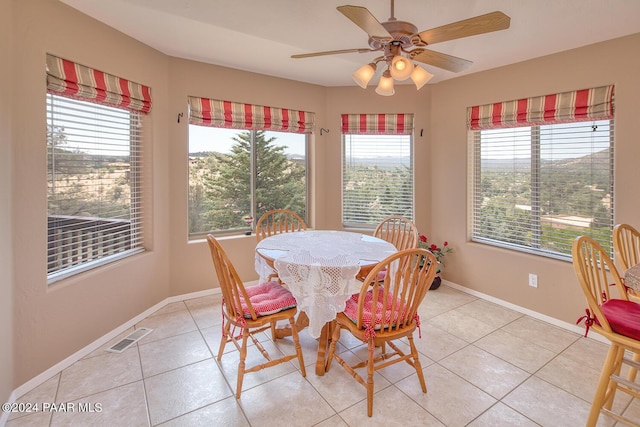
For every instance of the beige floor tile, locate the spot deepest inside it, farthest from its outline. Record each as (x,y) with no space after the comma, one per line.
(229,367)
(590,353)
(521,352)
(571,376)
(169,308)
(490,313)
(334,421)
(486,371)
(548,405)
(449,398)
(184,390)
(441,300)
(543,334)
(226,412)
(339,388)
(45,392)
(501,415)
(458,323)
(100,373)
(289,399)
(173,352)
(390,408)
(120,406)
(167,325)
(37,419)
(206,316)
(437,344)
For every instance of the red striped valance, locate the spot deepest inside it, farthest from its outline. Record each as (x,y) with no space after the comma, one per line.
(226,114)
(77,81)
(377,124)
(579,105)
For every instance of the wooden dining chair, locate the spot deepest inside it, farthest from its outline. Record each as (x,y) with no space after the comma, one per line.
(615,317)
(626,247)
(384,311)
(251,310)
(399,231)
(278,221)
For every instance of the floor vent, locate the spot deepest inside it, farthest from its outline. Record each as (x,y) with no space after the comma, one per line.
(129,340)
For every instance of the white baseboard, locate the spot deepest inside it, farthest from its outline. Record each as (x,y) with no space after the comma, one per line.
(58,367)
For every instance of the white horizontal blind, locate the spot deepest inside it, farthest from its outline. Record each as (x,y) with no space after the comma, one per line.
(377,178)
(94,185)
(536,188)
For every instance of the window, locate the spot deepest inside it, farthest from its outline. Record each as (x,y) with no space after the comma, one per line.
(94,173)
(235,174)
(536,188)
(377,172)
(244,160)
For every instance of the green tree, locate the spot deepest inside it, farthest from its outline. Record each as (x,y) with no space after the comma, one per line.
(279,184)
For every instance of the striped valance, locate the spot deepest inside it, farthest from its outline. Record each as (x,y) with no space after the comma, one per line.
(77,81)
(377,124)
(580,105)
(226,114)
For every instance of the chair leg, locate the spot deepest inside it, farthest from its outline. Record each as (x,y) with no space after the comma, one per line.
(416,364)
(223,340)
(273,332)
(332,347)
(241,365)
(296,342)
(603,385)
(370,372)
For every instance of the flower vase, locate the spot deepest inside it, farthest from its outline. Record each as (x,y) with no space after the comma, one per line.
(436,283)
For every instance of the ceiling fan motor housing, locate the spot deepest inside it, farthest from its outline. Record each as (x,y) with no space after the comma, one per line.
(401,31)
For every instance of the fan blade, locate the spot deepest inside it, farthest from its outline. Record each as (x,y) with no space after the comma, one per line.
(364,19)
(493,21)
(442,60)
(332,52)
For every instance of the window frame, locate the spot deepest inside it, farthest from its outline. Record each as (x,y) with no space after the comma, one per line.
(475,145)
(252,183)
(135,240)
(374,223)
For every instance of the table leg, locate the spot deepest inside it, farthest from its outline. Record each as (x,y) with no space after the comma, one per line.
(323,347)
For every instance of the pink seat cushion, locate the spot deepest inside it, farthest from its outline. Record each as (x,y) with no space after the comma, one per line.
(351,310)
(623,316)
(268,298)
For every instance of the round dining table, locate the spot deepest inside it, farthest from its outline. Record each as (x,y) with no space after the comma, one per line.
(320,268)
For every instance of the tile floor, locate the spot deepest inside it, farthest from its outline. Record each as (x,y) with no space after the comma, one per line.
(484,366)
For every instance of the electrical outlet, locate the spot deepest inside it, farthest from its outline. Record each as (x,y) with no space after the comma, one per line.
(533,280)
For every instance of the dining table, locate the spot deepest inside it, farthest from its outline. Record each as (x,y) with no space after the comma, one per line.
(320,268)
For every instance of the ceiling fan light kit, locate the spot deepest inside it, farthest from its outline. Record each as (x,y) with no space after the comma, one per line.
(402,43)
(364,74)
(385,85)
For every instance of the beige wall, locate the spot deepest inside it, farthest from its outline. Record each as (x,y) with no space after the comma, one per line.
(51,323)
(6,252)
(502,273)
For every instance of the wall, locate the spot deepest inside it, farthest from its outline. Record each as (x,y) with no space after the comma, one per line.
(191,266)
(501,273)
(6,252)
(53,322)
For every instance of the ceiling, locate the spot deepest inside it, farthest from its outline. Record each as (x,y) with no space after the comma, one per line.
(260,36)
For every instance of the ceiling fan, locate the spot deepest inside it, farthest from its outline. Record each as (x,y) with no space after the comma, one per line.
(401,43)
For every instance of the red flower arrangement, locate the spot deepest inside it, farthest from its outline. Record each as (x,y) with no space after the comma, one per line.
(438,251)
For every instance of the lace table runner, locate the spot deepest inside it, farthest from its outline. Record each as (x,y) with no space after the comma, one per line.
(320,267)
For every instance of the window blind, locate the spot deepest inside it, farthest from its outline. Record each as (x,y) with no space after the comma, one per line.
(536,188)
(377,178)
(94,178)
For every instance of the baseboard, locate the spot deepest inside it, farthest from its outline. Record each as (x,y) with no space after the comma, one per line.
(548,319)
(59,367)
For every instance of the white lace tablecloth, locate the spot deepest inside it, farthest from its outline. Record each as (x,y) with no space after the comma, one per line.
(320,267)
